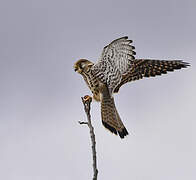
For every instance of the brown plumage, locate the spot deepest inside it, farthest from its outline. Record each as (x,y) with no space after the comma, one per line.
(150,68)
(116,67)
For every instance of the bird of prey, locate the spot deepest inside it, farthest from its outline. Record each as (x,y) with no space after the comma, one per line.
(117,66)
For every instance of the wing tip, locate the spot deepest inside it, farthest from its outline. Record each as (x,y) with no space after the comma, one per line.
(121,38)
(124,37)
(184,64)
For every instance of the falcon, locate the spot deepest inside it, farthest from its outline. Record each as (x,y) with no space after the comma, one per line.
(117,66)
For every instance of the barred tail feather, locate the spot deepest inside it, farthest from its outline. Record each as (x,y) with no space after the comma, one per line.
(110,117)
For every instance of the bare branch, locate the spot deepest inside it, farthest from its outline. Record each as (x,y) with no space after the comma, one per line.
(81,122)
(87,106)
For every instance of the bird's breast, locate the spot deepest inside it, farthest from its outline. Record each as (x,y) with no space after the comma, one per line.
(93,84)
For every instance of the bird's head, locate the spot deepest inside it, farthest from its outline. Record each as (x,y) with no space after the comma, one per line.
(82,65)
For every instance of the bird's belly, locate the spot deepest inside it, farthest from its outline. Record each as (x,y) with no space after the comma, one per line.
(94,85)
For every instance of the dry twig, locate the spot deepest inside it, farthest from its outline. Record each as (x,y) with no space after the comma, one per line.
(87,106)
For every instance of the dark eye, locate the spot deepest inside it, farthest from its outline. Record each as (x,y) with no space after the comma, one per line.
(82,65)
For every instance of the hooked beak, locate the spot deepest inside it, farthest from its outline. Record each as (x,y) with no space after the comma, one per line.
(75,68)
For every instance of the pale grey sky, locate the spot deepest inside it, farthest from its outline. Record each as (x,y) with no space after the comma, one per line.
(40,105)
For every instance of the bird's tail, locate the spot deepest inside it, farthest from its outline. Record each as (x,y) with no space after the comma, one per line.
(110,117)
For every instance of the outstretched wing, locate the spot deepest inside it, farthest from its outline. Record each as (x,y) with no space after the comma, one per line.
(115,61)
(150,68)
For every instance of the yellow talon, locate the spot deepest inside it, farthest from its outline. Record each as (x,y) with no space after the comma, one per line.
(87,98)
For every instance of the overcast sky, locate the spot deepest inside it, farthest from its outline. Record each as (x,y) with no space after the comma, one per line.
(40,138)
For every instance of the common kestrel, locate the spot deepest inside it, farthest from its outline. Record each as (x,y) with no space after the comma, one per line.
(117,66)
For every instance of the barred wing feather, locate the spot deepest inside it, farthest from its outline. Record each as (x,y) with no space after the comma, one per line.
(115,61)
